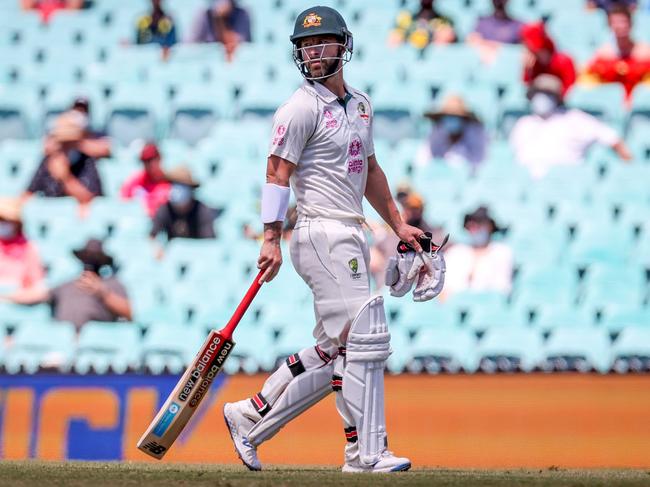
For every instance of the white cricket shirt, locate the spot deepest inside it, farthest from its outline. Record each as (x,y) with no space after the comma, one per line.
(330,145)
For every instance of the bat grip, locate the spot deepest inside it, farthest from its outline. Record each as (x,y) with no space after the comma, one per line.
(228,330)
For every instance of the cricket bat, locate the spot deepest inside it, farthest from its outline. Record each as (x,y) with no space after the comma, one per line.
(194,384)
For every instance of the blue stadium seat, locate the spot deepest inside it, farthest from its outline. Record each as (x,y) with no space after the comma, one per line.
(259,102)
(254,349)
(18,105)
(631,350)
(552,315)
(105,347)
(577,347)
(398,110)
(41,345)
(603,101)
(513,106)
(621,317)
(14,315)
(486,317)
(170,348)
(444,348)
(416,316)
(508,348)
(599,244)
(614,286)
(400,344)
(195,110)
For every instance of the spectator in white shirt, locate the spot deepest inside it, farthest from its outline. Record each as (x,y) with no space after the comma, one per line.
(554,135)
(481,264)
(457,135)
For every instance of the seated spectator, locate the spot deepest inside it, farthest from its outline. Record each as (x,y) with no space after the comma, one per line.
(627,62)
(457,135)
(48,7)
(68,166)
(481,264)
(385,241)
(424,27)
(554,135)
(493,30)
(607,5)
(96,295)
(95,142)
(20,264)
(149,185)
(225,22)
(156,27)
(183,216)
(543,58)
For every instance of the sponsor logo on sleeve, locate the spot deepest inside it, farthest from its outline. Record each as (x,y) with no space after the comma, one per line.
(363,112)
(330,121)
(279,135)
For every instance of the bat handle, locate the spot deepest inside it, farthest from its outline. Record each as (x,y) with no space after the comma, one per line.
(228,330)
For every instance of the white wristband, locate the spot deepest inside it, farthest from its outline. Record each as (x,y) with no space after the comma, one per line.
(275,202)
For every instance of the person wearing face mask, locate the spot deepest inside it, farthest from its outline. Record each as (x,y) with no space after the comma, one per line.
(183,216)
(96,295)
(493,30)
(20,264)
(457,135)
(543,58)
(554,135)
(480,264)
(150,185)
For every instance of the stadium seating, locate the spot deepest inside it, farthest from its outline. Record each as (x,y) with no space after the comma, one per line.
(580,236)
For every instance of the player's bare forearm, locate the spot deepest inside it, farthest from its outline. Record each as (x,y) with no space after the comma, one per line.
(378,195)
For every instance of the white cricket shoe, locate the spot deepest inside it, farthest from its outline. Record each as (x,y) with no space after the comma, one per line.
(387,462)
(239,425)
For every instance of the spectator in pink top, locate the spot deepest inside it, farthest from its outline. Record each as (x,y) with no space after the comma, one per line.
(150,184)
(20,265)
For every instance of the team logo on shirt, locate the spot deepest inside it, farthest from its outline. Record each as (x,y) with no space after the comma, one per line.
(311,20)
(330,121)
(363,112)
(354,267)
(279,135)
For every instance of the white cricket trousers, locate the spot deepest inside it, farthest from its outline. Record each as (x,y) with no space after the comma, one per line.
(332,257)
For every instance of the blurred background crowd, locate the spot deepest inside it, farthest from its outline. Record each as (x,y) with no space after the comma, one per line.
(133,138)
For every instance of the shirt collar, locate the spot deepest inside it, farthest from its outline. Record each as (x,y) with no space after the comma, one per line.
(323,93)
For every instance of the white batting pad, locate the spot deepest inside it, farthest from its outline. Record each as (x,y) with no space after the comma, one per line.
(301,393)
(368,348)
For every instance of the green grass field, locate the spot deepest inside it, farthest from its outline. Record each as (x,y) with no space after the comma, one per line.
(144,475)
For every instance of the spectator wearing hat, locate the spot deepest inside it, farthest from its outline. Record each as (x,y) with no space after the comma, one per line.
(156,27)
(20,265)
(543,58)
(626,61)
(150,184)
(96,295)
(494,30)
(225,22)
(421,28)
(183,216)
(554,135)
(67,169)
(481,264)
(385,241)
(95,142)
(457,135)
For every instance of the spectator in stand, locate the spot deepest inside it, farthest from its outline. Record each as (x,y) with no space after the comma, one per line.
(156,27)
(457,135)
(543,58)
(606,5)
(46,8)
(150,184)
(481,264)
(424,27)
(494,30)
(554,135)
(385,240)
(183,216)
(628,61)
(96,143)
(68,166)
(20,264)
(225,22)
(96,295)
